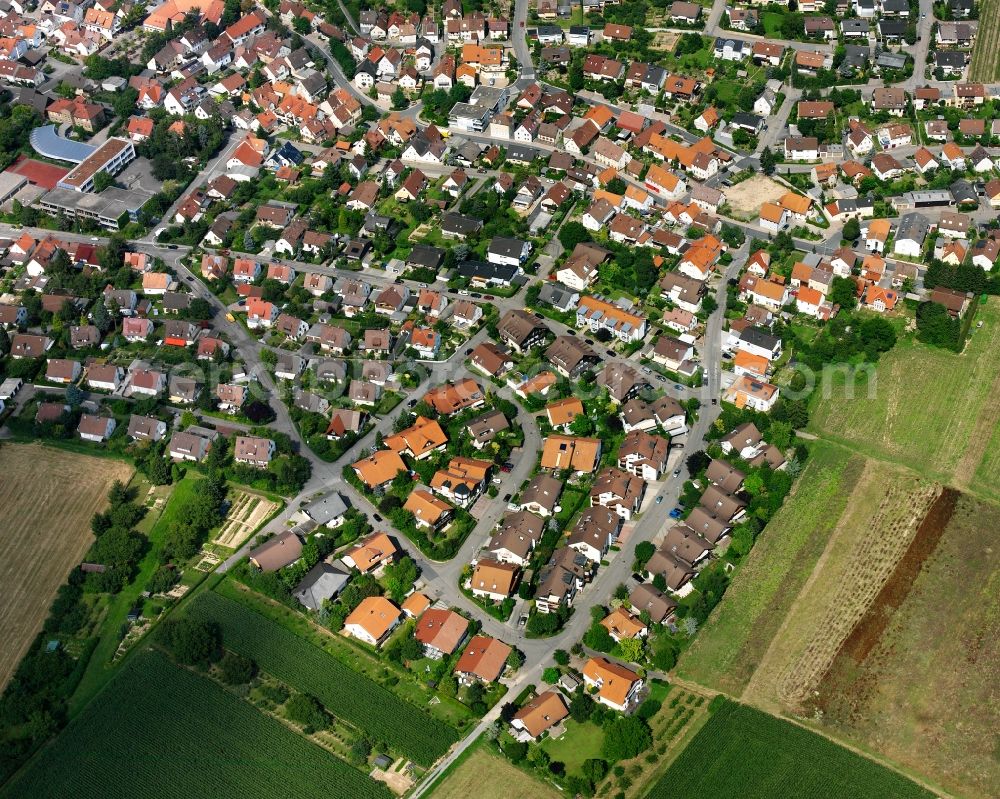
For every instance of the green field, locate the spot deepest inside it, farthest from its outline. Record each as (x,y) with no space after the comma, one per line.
(930,410)
(732,642)
(986,51)
(746,754)
(580,742)
(161,731)
(347,694)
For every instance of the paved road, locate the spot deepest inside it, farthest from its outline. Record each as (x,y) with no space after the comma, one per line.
(215,167)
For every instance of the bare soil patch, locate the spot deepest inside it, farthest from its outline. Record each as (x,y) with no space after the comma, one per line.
(665,41)
(48,497)
(744,199)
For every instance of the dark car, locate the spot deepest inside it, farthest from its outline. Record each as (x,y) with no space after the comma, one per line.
(589,340)
(469,351)
(676,513)
(538,315)
(612,354)
(506,497)
(377,517)
(411,403)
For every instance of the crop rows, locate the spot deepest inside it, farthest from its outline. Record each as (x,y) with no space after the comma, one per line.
(347,694)
(161,731)
(746,753)
(871,564)
(985,57)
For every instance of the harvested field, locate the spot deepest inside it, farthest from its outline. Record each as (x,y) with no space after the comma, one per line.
(986,53)
(931,410)
(48,496)
(882,518)
(732,642)
(917,679)
(247,512)
(486,776)
(744,199)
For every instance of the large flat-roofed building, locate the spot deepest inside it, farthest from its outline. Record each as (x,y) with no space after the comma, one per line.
(108,208)
(110,157)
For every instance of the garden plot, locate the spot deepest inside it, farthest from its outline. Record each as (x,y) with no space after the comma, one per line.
(248,512)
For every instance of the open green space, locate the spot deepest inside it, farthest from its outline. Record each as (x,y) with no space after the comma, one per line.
(732,642)
(772,23)
(161,731)
(481,773)
(929,409)
(578,743)
(742,752)
(345,692)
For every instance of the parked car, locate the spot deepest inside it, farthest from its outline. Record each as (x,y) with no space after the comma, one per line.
(506,497)
(659,500)
(676,513)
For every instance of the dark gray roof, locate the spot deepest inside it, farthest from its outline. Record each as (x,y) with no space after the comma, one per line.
(759,338)
(323,581)
(963,192)
(486,271)
(523,154)
(913,226)
(458,223)
(511,248)
(424,255)
(556,294)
